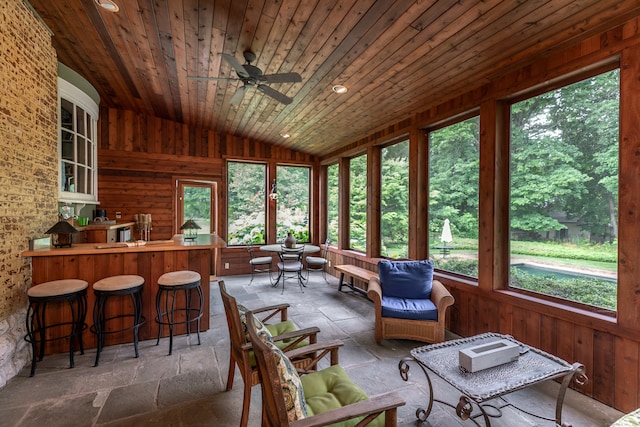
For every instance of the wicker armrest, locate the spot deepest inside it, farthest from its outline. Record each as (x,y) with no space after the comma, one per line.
(374,291)
(441,297)
(375,405)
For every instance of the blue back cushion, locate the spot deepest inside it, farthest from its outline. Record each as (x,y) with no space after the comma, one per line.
(406,279)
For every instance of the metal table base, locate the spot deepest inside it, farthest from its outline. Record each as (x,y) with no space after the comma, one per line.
(485,390)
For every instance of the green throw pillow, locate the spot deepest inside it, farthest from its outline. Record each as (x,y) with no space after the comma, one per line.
(291,385)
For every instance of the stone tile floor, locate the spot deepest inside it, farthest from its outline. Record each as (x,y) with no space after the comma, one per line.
(187,388)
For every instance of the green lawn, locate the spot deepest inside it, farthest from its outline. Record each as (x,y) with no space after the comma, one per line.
(592,291)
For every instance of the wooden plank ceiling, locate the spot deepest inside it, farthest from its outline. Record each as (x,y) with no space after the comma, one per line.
(394,56)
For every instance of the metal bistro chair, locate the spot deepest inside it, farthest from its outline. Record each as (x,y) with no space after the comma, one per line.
(259,264)
(290,265)
(319,263)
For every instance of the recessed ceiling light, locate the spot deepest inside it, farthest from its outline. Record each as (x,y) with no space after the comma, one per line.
(109,5)
(285,135)
(339,89)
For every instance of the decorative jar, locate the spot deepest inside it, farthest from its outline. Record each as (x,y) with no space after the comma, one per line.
(289,241)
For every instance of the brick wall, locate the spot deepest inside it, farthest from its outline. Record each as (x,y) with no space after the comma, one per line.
(28,165)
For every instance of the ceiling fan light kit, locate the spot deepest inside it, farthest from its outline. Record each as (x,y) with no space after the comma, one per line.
(252,76)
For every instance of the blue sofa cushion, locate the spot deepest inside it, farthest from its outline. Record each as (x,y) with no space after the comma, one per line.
(405,308)
(406,279)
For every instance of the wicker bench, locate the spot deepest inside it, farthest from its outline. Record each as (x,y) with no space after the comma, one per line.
(354,272)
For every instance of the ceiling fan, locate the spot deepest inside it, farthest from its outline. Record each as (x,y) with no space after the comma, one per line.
(251,76)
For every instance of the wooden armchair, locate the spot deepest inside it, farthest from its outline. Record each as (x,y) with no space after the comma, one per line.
(317,398)
(284,334)
(408,303)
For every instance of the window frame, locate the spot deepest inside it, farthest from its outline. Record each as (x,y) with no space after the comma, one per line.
(325,184)
(506,105)
(265,203)
(380,236)
(350,210)
(78,98)
(451,121)
(279,199)
(180,184)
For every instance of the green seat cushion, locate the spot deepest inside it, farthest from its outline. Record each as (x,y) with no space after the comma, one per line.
(278,329)
(281,328)
(331,388)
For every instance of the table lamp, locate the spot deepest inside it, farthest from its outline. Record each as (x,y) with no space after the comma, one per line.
(61,234)
(190,230)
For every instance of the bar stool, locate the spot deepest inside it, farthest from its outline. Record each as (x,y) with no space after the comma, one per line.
(122,285)
(168,286)
(70,291)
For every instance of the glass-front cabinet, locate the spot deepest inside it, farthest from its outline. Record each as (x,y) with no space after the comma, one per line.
(78,118)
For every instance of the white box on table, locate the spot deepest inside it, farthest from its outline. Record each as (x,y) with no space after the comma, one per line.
(488,355)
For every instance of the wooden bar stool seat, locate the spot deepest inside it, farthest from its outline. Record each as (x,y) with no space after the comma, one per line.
(167,304)
(122,285)
(73,292)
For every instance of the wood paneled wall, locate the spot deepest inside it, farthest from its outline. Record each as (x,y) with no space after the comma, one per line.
(140,155)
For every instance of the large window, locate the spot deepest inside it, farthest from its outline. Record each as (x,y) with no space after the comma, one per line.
(564,191)
(293,202)
(358,203)
(454,159)
(394,201)
(332,203)
(246,203)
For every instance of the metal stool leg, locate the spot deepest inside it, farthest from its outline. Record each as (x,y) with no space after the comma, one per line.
(99,324)
(136,298)
(187,310)
(74,331)
(82,315)
(31,338)
(171,318)
(201,295)
(159,313)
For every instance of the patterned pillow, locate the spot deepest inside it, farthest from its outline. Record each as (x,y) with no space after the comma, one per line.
(291,385)
(261,330)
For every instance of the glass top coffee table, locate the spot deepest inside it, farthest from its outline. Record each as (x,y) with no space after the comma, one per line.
(532,366)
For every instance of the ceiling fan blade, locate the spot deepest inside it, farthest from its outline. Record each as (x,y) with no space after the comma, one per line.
(236,65)
(275,94)
(211,78)
(237,96)
(283,78)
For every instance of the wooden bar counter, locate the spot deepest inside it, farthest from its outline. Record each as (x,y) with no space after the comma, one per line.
(92,262)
